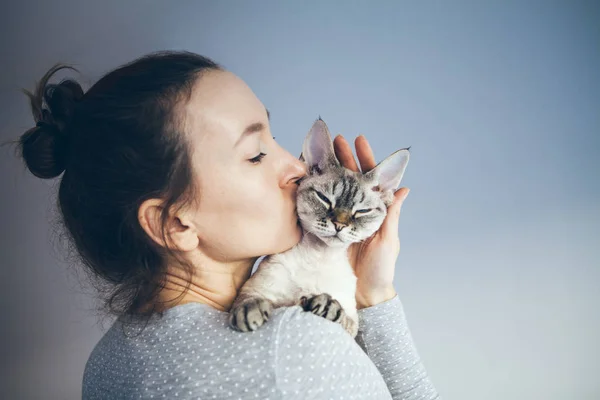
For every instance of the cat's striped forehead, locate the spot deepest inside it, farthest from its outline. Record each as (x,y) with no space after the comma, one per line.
(344,186)
(347,191)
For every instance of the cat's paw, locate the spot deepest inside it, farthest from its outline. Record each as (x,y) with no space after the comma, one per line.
(324,306)
(250,315)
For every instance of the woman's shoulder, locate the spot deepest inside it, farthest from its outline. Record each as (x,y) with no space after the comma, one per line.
(199,328)
(317,358)
(194,350)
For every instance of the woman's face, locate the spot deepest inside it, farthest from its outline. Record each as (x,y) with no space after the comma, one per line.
(246,181)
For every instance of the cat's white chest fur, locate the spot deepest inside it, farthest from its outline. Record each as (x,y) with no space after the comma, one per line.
(307,271)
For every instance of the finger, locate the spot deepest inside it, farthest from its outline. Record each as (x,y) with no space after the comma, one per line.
(365,154)
(343,152)
(392,219)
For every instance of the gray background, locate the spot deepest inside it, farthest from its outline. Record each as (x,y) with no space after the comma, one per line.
(500,102)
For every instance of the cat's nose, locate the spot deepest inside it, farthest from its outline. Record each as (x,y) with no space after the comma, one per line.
(339,226)
(341,219)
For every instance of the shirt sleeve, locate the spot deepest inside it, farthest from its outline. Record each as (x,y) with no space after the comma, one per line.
(317,359)
(384,336)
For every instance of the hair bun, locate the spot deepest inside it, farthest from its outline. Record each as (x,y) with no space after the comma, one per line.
(44,150)
(45,147)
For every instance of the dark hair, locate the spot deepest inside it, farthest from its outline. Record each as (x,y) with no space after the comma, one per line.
(119,144)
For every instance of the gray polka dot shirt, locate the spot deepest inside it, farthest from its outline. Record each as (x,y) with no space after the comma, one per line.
(191,353)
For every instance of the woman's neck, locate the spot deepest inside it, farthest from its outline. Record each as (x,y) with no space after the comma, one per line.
(212,284)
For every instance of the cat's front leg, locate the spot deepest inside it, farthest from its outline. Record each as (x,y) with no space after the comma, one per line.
(270,287)
(249,312)
(327,307)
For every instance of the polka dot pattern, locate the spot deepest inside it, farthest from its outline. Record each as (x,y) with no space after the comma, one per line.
(385,337)
(191,353)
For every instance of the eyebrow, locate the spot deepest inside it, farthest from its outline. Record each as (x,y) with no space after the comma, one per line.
(253,128)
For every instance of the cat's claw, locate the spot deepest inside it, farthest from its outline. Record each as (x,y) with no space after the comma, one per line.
(250,314)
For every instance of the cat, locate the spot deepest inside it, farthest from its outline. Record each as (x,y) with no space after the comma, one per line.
(336,207)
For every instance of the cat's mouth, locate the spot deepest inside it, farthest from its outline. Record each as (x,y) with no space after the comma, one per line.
(334,239)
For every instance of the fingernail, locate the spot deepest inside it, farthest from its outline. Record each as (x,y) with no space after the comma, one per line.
(406,194)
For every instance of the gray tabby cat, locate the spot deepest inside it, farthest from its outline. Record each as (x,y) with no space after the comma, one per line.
(336,207)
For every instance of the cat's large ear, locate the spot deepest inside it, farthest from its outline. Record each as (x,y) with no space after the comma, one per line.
(388,173)
(317,150)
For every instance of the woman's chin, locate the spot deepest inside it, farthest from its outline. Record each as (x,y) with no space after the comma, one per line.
(292,239)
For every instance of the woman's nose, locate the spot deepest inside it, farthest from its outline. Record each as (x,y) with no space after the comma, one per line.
(295,171)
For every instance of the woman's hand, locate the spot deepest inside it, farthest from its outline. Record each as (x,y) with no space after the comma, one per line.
(373,260)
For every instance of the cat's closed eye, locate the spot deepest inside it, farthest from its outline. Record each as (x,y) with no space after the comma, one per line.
(364,211)
(323,199)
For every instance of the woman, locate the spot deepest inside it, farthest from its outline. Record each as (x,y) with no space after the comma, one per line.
(172,188)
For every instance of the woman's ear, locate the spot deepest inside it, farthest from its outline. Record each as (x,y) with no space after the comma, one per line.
(180,235)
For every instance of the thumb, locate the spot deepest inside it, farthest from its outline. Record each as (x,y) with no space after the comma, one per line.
(390,225)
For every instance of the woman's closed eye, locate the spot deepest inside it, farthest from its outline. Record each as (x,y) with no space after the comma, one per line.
(257,159)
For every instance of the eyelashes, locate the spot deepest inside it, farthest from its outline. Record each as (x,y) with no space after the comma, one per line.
(257,159)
